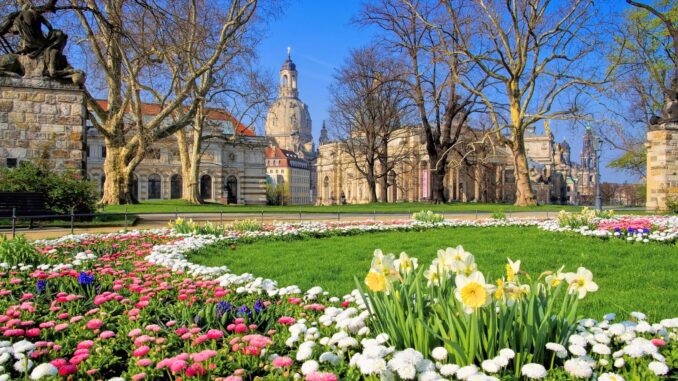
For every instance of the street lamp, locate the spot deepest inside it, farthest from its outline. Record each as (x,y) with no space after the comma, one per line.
(598,145)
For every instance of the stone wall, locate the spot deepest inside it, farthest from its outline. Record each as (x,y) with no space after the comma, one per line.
(42,119)
(662,166)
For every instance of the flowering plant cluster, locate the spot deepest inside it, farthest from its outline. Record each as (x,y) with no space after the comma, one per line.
(132,307)
(631,228)
(456,309)
(427,216)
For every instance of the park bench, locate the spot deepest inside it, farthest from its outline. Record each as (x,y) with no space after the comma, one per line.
(26,205)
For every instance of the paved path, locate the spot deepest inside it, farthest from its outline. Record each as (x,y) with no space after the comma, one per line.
(160,220)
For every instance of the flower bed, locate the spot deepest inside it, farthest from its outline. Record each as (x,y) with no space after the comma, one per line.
(131,306)
(630,228)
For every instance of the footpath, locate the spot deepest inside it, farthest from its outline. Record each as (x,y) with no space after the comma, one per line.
(160,220)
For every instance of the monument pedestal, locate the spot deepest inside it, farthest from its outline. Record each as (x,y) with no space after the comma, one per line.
(43,119)
(662,166)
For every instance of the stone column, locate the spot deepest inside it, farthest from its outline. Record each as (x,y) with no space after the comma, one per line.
(662,166)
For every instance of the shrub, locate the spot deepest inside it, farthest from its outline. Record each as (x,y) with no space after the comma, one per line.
(62,191)
(182,226)
(18,250)
(500,215)
(672,204)
(586,217)
(428,217)
(248,226)
(450,305)
(277,194)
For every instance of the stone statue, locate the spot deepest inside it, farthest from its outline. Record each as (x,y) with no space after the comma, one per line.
(670,109)
(39,55)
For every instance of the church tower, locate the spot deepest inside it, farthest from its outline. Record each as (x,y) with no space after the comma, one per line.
(288,78)
(288,123)
(588,153)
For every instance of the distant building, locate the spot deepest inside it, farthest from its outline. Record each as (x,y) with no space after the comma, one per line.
(287,168)
(485,175)
(232,170)
(288,130)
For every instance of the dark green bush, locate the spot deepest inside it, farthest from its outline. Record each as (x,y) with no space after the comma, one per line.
(62,190)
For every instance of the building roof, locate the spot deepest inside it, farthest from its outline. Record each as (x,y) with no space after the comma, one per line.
(152,109)
(290,159)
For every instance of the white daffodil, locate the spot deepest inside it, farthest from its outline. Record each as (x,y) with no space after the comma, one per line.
(472,291)
(405,264)
(512,269)
(581,282)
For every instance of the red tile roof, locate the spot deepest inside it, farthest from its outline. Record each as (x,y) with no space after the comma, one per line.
(152,109)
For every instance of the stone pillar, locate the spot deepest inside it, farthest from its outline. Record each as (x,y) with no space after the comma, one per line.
(43,119)
(662,166)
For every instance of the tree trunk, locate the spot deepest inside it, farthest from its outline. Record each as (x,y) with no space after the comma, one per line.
(438,186)
(371,182)
(383,192)
(524,194)
(190,161)
(116,189)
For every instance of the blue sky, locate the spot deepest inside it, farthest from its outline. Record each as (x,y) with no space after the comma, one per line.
(321,35)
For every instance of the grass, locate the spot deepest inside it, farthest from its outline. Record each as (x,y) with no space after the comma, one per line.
(632,277)
(180,206)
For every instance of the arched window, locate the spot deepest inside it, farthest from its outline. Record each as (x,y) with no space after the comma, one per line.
(232,190)
(206,187)
(176,186)
(284,80)
(154,186)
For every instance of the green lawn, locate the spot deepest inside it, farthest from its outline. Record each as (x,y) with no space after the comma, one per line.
(172,206)
(632,277)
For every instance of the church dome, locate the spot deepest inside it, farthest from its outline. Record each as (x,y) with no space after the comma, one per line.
(289,65)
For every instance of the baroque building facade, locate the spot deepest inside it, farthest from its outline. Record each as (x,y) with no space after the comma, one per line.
(484,174)
(289,133)
(232,168)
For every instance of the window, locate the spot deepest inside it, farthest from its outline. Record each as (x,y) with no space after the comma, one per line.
(154,186)
(11,162)
(206,187)
(88,149)
(176,187)
(103,151)
(153,153)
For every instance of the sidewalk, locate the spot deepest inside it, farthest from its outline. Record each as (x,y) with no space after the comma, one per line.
(154,221)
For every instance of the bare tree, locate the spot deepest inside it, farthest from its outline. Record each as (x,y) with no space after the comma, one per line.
(127,40)
(368,104)
(188,49)
(535,52)
(433,77)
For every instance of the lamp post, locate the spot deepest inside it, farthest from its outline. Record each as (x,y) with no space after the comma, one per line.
(598,145)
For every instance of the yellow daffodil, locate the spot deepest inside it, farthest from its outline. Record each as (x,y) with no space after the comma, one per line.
(472,291)
(581,282)
(375,281)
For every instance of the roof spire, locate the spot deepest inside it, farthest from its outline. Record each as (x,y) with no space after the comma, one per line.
(289,53)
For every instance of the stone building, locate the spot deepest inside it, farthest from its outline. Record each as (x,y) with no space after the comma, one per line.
(42,119)
(232,170)
(288,128)
(286,167)
(483,175)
